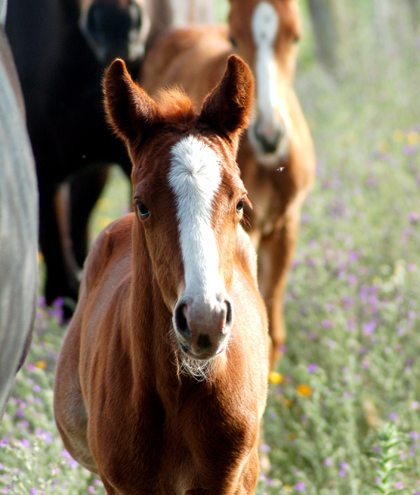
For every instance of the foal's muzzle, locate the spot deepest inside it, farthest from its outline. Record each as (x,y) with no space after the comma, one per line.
(201,329)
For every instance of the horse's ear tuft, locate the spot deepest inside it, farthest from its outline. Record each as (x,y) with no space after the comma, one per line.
(228,107)
(129,110)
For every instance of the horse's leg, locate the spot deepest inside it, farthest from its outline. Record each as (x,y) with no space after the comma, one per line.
(69,407)
(85,190)
(250,474)
(274,258)
(61,279)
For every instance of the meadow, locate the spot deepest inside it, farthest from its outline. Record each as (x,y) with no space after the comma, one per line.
(343,413)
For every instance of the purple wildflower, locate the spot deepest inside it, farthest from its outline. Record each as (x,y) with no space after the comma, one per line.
(369,328)
(300,486)
(312,368)
(413,217)
(25,442)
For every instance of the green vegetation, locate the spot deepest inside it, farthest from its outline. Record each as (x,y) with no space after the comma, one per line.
(343,414)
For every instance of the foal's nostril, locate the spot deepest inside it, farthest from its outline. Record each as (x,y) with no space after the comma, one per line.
(229,314)
(181,321)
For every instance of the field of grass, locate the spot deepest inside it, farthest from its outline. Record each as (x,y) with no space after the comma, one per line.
(343,414)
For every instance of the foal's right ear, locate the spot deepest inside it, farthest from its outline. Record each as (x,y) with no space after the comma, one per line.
(129,109)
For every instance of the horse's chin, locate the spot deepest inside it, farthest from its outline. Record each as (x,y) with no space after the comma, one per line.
(199,368)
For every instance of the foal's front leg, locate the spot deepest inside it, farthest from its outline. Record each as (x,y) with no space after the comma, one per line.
(69,407)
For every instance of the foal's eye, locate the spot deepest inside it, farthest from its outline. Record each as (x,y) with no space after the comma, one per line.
(233,42)
(143,210)
(240,206)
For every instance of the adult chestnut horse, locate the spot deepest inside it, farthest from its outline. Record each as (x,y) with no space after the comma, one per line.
(161,381)
(276,158)
(61,48)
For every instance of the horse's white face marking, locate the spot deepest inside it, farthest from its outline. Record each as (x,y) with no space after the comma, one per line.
(272,114)
(137,38)
(195,179)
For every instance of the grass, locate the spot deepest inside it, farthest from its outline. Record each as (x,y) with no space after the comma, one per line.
(343,414)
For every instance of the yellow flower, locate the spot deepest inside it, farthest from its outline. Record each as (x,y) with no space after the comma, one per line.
(275,377)
(41,365)
(40,257)
(398,136)
(288,488)
(413,138)
(288,403)
(304,390)
(383,147)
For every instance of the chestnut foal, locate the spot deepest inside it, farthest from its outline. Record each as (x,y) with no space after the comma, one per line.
(161,381)
(276,158)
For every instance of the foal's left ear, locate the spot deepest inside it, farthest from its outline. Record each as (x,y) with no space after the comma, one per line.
(228,106)
(129,109)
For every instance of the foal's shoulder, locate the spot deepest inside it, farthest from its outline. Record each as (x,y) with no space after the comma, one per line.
(114,240)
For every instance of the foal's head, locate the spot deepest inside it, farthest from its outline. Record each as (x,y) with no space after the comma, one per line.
(188,196)
(264,33)
(115,28)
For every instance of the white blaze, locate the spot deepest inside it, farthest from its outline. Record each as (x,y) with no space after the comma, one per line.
(271,105)
(265,25)
(195,178)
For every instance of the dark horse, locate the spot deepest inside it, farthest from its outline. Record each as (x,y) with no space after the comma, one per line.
(61,48)
(18,224)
